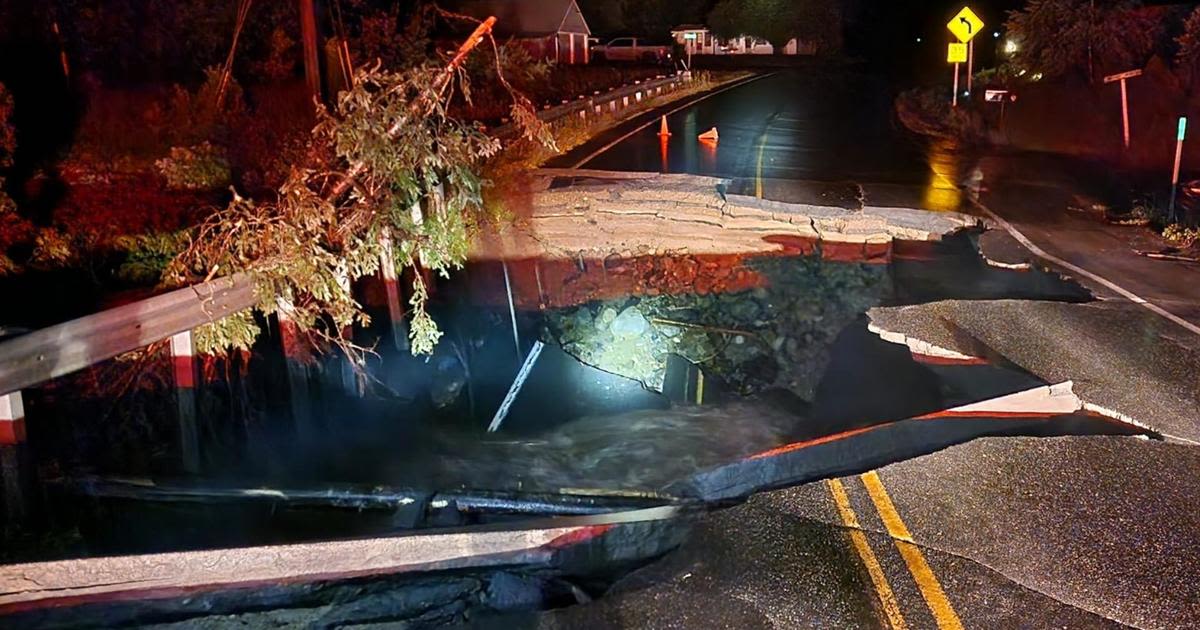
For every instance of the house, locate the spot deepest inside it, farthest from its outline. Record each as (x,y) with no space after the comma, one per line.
(548,29)
(698,40)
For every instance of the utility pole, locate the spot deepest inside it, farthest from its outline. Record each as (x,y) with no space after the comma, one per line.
(308,32)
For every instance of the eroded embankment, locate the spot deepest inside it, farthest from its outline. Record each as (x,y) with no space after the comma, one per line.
(573,214)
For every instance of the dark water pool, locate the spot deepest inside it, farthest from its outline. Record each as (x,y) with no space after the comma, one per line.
(647,378)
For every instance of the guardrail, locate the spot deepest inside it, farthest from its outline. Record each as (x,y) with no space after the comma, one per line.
(59,350)
(612,101)
(65,348)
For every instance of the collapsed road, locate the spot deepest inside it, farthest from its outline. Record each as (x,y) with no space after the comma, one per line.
(872,336)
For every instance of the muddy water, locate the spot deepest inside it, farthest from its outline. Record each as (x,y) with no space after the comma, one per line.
(654,371)
(785,356)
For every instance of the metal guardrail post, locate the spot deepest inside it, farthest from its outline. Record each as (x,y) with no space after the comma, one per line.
(183,370)
(295,357)
(14,466)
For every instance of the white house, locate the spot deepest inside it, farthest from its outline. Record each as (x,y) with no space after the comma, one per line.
(698,40)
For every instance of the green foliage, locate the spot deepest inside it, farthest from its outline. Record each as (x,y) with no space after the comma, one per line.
(1058,37)
(514,64)
(199,116)
(235,332)
(143,124)
(415,182)
(398,37)
(202,167)
(148,255)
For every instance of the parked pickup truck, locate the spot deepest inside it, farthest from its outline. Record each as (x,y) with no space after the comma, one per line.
(631,49)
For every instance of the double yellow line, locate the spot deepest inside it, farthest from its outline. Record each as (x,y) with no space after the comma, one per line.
(927,582)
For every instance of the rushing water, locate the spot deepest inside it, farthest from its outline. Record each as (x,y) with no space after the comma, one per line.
(648,378)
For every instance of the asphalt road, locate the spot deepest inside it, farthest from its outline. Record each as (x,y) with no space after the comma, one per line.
(1033,194)
(823,136)
(1071,532)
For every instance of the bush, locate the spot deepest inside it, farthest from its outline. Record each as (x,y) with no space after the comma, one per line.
(147,255)
(141,125)
(271,136)
(1182,236)
(928,112)
(202,167)
(52,249)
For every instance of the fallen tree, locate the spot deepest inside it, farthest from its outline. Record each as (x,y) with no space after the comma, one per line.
(392,179)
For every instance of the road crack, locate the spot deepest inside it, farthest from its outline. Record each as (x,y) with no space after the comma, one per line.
(933,549)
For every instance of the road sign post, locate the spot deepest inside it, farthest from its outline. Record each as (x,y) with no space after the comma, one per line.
(1122,78)
(999,96)
(954,99)
(1182,133)
(956,53)
(965,25)
(970,64)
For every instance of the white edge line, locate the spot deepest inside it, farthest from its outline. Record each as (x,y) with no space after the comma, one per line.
(1131,296)
(680,108)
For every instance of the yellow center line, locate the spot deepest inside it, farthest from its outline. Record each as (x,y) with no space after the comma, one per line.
(931,589)
(887,598)
(758,183)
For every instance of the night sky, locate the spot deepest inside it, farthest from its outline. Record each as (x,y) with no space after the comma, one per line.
(886,33)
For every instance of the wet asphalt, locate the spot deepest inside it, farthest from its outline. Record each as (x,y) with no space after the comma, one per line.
(1067,532)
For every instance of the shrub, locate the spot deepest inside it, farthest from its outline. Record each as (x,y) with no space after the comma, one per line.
(201,167)
(928,112)
(1182,236)
(52,248)
(147,255)
(272,136)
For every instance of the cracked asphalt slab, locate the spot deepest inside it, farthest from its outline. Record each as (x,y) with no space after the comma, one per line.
(1120,356)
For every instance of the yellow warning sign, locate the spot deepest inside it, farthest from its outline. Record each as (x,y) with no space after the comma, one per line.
(965,25)
(957,53)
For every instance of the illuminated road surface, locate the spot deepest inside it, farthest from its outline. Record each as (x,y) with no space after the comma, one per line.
(1076,532)
(793,136)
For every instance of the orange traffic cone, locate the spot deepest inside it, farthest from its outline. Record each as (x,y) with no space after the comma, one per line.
(663,132)
(710,135)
